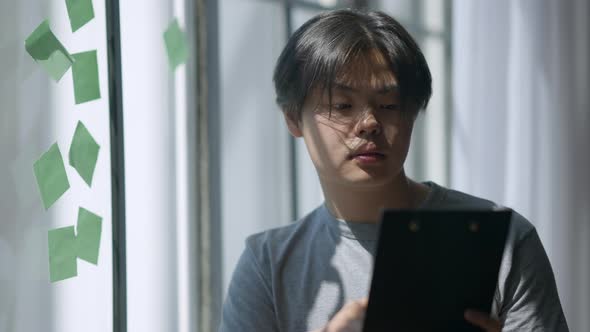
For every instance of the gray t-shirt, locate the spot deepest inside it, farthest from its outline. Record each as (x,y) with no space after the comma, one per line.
(296,278)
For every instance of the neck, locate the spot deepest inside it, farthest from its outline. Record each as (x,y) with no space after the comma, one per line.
(365,204)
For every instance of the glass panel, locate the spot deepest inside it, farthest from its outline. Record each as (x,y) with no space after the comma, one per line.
(37,112)
(255,168)
(300,15)
(309,189)
(434,15)
(403,10)
(325,3)
(156,165)
(436,116)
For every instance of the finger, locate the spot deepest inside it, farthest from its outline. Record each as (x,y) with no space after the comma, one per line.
(483,320)
(364,302)
(354,321)
(354,310)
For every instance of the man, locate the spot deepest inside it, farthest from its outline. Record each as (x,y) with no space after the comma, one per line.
(351,85)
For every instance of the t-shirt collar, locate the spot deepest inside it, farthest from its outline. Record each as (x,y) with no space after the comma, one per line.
(368,231)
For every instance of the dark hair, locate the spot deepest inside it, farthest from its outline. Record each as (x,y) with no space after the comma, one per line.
(321,47)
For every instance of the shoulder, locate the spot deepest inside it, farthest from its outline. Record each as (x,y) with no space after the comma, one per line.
(273,244)
(446,198)
(526,297)
(443,197)
(252,302)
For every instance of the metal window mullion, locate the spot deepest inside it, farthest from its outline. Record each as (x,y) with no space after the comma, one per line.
(209,166)
(117,166)
(193,228)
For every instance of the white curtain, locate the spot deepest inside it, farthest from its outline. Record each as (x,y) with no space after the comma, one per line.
(521,125)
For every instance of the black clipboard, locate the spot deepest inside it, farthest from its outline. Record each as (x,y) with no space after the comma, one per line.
(431,265)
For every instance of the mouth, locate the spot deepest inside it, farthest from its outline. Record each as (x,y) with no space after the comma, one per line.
(367,157)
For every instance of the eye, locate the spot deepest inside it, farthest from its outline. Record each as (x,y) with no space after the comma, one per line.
(341,106)
(389,106)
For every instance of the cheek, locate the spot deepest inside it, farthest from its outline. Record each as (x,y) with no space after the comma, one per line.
(391,134)
(398,138)
(398,134)
(324,143)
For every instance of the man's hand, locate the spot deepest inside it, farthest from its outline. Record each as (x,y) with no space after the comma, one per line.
(483,320)
(349,319)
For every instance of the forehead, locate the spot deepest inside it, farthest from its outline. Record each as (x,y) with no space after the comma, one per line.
(367,71)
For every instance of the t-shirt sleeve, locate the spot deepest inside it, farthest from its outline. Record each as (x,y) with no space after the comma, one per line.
(248,305)
(531,298)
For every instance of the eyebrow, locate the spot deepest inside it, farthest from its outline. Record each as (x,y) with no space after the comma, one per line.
(384,89)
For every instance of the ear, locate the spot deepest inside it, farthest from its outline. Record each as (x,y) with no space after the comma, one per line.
(293,124)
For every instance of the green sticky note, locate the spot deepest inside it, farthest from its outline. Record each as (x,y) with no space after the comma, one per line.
(176,46)
(46,50)
(80,13)
(85,74)
(88,235)
(62,254)
(84,153)
(52,179)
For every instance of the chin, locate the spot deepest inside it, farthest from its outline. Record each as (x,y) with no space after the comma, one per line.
(361,177)
(367,180)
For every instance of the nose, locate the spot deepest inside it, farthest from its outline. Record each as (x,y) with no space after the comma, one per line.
(368,126)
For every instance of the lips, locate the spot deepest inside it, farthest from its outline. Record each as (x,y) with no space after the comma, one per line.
(367,154)
(369,158)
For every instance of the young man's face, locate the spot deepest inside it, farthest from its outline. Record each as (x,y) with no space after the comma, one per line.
(364,140)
